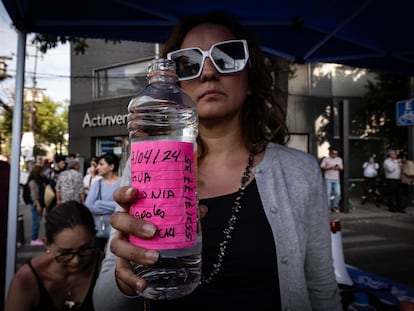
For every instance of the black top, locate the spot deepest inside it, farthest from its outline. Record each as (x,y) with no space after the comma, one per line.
(45,301)
(248,277)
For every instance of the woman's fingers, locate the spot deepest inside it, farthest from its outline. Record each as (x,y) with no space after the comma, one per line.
(126,253)
(121,247)
(127,280)
(125,195)
(128,224)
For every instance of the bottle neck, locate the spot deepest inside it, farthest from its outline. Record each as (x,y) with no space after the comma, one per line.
(162,77)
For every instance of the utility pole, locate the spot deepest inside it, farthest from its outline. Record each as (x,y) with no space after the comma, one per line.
(33,96)
(34,93)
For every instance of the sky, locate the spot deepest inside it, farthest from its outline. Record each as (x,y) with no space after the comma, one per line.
(52,69)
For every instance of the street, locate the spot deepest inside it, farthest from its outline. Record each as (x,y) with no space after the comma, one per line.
(383,246)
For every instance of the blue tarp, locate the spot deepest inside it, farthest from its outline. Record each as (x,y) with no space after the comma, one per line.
(388,292)
(374,34)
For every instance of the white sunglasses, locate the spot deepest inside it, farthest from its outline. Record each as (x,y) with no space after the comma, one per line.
(227,57)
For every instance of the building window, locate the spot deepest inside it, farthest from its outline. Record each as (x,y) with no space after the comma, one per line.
(121,80)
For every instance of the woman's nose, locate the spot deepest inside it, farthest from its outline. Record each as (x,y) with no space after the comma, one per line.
(208,69)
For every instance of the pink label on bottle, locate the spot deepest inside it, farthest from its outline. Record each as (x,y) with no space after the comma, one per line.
(164,174)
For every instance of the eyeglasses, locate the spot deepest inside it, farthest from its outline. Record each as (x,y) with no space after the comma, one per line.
(227,57)
(66,257)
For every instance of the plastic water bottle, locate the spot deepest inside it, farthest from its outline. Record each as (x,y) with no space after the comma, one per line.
(361,303)
(163,127)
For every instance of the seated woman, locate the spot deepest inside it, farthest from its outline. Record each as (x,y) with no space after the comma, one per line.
(64,276)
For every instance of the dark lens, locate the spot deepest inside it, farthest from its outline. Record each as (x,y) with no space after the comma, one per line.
(64,257)
(229,56)
(188,63)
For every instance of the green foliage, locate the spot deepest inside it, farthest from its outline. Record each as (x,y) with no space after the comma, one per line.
(377,115)
(50,124)
(47,42)
(6,120)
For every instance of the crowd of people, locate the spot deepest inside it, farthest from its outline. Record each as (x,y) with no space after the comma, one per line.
(68,183)
(390,183)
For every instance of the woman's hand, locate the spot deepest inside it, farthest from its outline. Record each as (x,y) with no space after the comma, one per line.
(126,252)
(125,224)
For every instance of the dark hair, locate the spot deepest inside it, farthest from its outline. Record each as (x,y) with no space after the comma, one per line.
(262,118)
(59,158)
(36,173)
(111,158)
(68,215)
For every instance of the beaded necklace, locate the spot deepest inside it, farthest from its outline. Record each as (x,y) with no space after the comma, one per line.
(231,222)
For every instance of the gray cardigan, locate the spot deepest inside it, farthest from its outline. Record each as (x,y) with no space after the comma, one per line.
(294,198)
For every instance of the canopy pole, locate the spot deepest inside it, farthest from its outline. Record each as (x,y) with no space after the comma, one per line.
(15,159)
(345,155)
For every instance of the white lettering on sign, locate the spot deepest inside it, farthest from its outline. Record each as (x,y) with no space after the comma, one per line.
(408,105)
(101,120)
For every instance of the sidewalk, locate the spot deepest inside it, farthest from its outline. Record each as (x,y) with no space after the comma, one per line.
(369,211)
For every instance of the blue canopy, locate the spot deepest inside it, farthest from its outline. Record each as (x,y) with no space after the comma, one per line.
(374,34)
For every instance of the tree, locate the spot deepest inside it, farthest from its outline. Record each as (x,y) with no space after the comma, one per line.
(50,125)
(47,42)
(6,116)
(377,116)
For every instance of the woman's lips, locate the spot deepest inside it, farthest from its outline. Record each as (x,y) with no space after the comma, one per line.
(210,94)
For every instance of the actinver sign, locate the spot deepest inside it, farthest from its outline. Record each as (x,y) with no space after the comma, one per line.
(101,120)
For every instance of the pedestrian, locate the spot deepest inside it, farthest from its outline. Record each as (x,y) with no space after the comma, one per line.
(91,175)
(70,157)
(242,132)
(100,200)
(37,189)
(370,172)
(69,184)
(392,171)
(63,277)
(332,166)
(44,161)
(52,174)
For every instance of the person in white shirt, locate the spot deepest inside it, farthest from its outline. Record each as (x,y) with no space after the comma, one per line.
(370,172)
(392,171)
